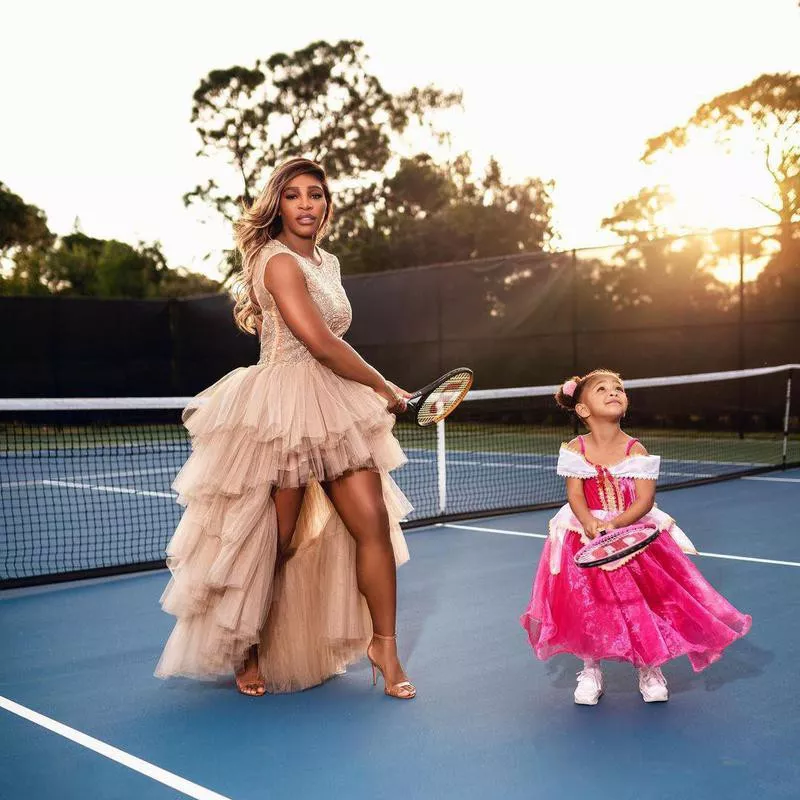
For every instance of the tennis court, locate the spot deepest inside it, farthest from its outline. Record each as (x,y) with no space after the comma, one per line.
(83,715)
(86,483)
(489,721)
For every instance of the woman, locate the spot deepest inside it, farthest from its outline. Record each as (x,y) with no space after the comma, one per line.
(284,561)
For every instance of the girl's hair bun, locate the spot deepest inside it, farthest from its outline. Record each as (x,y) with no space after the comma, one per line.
(566,394)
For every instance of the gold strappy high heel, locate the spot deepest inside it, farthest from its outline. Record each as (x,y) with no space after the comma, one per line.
(405,690)
(251,688)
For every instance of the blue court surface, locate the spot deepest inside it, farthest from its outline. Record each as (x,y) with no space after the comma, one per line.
(83,717)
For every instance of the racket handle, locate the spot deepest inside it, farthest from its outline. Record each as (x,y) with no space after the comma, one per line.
(413,401)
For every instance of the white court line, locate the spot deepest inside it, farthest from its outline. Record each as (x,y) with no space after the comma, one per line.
(95,476)
(120,756)
(493,530)
(491,464)
(544,536)
(110,489)
(774,480)
(131,473)
(750,558)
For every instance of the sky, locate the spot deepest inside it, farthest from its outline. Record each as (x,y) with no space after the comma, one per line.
(95,98)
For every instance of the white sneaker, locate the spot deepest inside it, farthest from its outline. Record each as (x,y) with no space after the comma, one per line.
(590,686)
(653,685)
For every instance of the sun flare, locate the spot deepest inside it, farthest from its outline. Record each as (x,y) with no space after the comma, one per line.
(715,188)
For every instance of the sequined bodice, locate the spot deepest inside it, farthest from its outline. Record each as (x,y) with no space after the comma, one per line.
(278,343)
(607,492)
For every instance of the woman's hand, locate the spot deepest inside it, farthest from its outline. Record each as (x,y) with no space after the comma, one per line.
(395,397)
(594,527)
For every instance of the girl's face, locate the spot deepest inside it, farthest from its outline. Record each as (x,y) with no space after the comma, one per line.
(603,399)
(303,206)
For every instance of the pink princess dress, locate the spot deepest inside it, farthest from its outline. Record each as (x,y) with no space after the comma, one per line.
(288,421)
(654,608)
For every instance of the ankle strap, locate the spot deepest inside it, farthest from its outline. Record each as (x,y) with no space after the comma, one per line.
(378,636)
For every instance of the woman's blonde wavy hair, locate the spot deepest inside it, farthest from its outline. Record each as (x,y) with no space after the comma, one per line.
(260,223)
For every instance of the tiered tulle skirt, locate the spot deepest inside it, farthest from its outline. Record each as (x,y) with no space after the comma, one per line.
(653,609)
(263,428)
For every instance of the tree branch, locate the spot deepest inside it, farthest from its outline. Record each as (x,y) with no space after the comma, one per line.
(767,206)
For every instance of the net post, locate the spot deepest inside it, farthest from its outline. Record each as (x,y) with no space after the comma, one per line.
(786,414)
(441,466)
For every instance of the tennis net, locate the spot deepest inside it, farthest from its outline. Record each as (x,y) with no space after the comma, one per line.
(86,483)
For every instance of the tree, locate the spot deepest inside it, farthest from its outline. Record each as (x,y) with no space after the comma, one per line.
(433,213)
(23,234)
(83,266)
(765,114)
(181,282)
(38,263)
(653,274)
(320,102)
(21,224)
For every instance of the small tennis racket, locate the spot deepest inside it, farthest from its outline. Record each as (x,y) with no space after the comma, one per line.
(439,399)
(611,550)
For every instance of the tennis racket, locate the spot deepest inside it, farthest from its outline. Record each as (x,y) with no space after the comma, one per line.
(439,399)
(611,550)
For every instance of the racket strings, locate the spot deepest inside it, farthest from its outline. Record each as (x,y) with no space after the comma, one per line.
(444,398)
(615,549)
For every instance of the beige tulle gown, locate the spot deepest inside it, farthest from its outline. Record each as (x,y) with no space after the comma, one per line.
(287,421)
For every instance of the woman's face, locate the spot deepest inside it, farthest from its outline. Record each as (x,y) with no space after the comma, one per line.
(604,399)
(303,206)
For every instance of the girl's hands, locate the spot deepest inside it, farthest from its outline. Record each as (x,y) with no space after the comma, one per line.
(595,527)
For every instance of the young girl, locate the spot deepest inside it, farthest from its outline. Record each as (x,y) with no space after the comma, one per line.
(652,609)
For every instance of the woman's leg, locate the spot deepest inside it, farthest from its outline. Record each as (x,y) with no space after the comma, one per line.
(288,503)
(358,499)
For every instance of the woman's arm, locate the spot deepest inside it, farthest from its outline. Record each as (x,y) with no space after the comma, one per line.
(285,282)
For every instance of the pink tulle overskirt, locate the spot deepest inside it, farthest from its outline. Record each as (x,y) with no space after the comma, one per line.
(655,608)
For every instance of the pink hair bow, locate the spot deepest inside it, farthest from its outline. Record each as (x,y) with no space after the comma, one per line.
(569,388)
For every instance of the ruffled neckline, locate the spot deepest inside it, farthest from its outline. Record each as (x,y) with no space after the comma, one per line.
(582,456)
(576,465)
